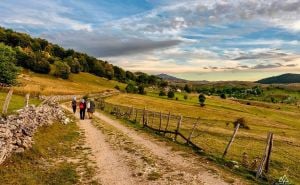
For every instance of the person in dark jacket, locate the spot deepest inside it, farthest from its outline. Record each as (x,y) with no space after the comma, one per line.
(74,104)
(91,108)
(82,107)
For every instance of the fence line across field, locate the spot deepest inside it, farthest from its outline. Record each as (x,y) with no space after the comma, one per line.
(180,128)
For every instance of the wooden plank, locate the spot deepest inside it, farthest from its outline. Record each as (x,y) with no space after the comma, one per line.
(178,127)
(192,132)
(269,154)
(190,143)
(231,140)
(156,130)
(264,157)
(168,121)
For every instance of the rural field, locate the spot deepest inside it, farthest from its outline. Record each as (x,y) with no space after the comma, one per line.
(17,102)
(150,92)
(214,132)
(83,83)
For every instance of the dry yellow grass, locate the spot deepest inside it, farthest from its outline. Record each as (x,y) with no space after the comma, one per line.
(82,83)
(214,133)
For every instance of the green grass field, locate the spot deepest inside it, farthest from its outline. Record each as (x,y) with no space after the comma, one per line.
(213,132)
(16,102)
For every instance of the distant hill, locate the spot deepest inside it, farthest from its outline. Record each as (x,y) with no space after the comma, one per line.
(170,78)
(281,79)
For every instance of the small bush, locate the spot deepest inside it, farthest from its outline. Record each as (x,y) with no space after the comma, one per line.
(171,94)
(130,88)
(162,93)
(223,96)
(41,66)
(185,97)
(202,99)
(62,70)
(242,123)
(141,89)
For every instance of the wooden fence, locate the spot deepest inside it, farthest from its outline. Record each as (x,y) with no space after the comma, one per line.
(180,128)
(147,118)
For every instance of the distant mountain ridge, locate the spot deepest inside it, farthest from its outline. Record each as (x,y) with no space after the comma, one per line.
(170,78)
(281,79)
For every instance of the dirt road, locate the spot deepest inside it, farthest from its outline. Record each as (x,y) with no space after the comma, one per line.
(126,156)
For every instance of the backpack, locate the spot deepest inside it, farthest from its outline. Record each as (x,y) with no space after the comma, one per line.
(73,103)
(81,106)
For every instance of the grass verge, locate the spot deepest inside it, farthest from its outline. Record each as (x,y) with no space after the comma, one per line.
(57,157)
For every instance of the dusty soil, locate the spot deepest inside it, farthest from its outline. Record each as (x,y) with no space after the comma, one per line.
(126,156)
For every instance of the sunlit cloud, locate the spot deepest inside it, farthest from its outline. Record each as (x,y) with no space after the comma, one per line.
(169,36)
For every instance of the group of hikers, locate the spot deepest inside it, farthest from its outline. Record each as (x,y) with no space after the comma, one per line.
(84,105)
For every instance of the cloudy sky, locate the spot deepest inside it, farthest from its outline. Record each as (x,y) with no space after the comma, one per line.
(193,39)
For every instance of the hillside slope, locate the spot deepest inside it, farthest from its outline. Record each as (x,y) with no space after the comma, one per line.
(82,83)
(284,78)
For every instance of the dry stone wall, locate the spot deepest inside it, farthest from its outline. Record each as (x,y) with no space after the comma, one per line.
(16,130)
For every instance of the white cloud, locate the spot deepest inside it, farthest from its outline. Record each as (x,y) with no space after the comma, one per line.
(49,15)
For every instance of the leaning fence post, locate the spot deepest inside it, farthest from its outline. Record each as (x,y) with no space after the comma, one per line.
(263,160)
(177,129)
(192,132)
(269,153)
(231,140)
(168,121)
(27,100)
(7,101)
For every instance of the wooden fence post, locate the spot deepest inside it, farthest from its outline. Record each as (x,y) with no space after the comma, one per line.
(263,159)
(231,140)
(144,111)
(160,120)
(192,132)
(178,127)
(7,101)
(153,117)
(269,153)
(131,112)
(147,117)
(168,121)
(136,114)
(27,100)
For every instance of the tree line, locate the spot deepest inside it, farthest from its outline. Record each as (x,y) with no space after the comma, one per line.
(41,56)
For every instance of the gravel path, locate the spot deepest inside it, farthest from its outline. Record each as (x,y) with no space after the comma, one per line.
(125,156)
(111,170)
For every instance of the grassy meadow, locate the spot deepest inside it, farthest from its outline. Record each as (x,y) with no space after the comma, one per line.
(82,83)
(16,102)
(215,127)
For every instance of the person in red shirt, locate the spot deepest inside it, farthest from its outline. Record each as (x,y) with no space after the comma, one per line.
(82,108)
